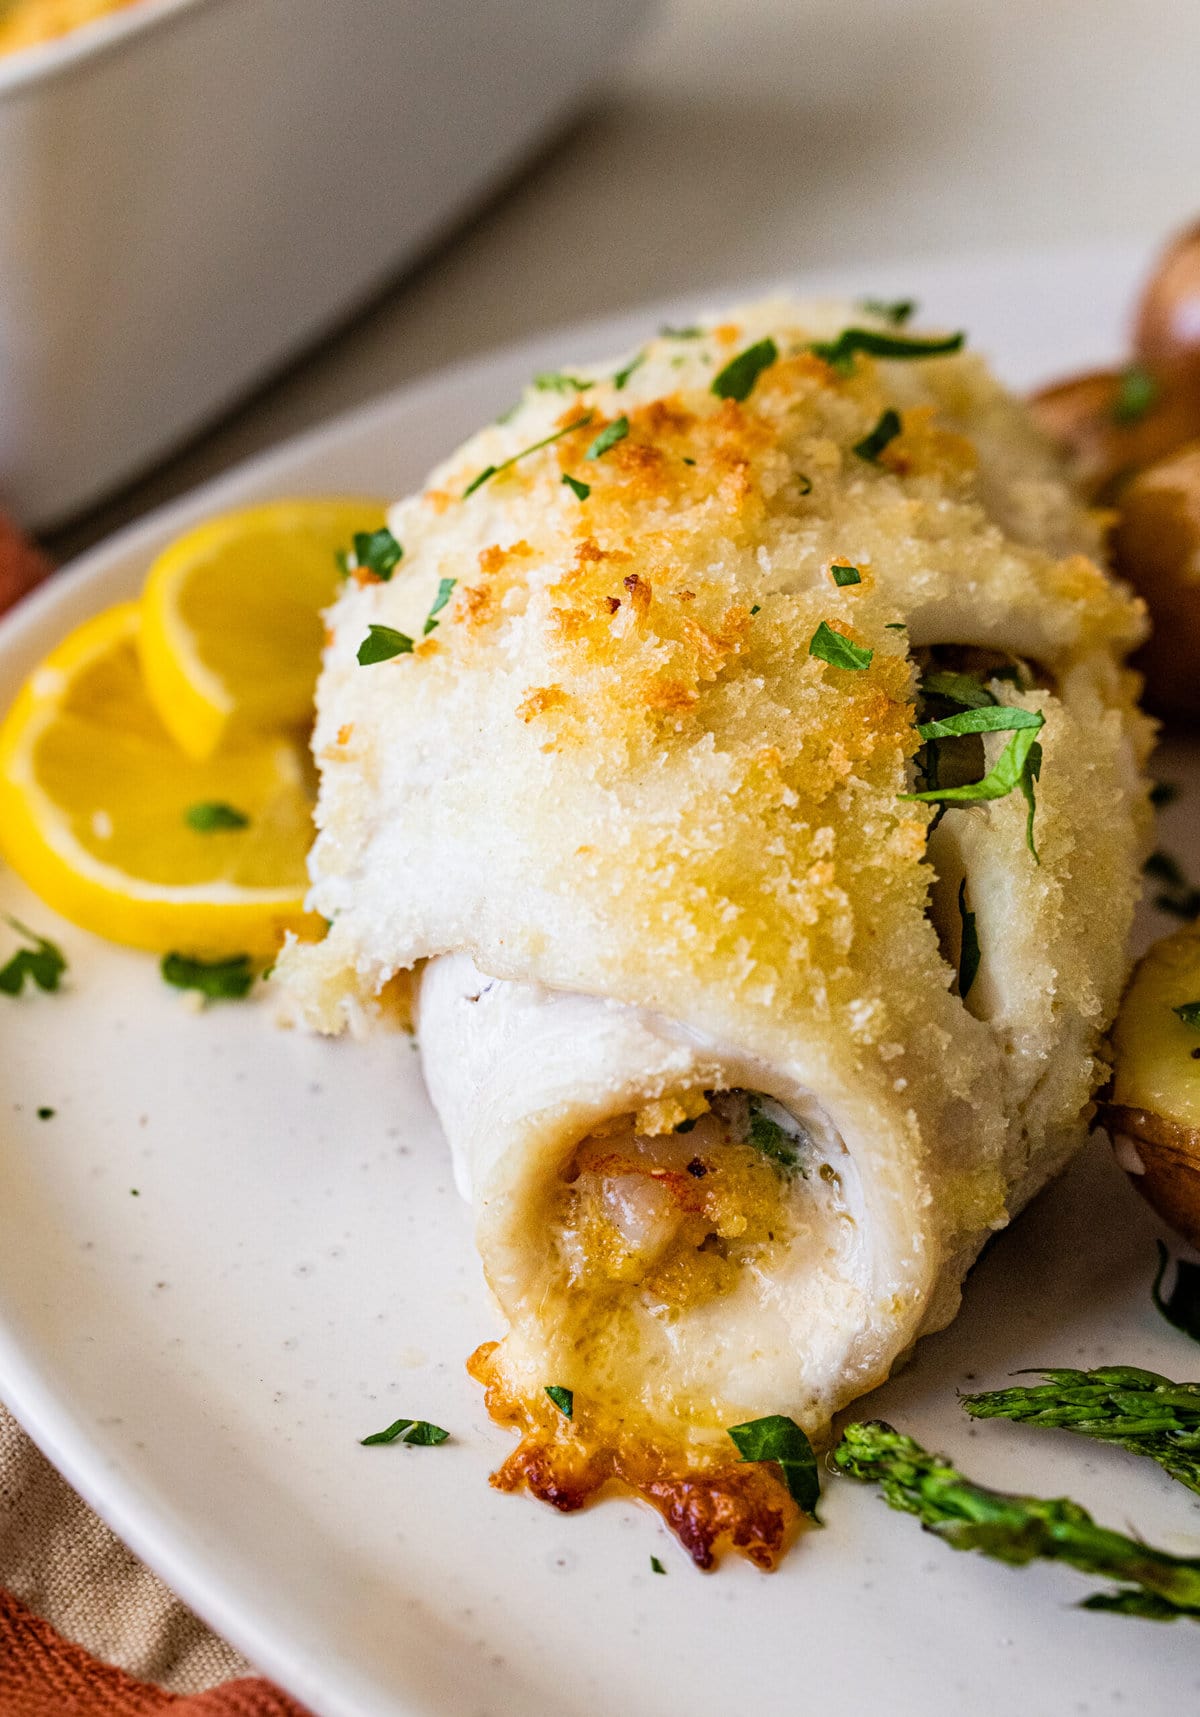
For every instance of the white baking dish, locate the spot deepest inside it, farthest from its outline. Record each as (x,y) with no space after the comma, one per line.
(192,190)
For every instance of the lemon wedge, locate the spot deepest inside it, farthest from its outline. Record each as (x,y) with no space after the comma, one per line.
(231,629)
(118,830)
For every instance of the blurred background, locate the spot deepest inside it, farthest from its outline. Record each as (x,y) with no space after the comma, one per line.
(735,141)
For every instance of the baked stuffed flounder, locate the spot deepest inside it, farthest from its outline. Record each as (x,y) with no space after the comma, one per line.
(740,756)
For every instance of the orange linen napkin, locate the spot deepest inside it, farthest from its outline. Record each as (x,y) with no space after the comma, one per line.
(67,1565)
(42,1675)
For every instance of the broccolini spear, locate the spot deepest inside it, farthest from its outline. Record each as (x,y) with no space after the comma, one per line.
(1138,1410)
(1018,1529)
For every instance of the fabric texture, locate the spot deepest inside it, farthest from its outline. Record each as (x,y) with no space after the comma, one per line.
(61,1568)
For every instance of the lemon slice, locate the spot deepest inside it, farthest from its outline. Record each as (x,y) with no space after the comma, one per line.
(231,633)
(116,829)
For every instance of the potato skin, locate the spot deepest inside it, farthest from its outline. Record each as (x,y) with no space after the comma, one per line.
(1170,1156)
(1166,332)
(1081,415)
(1156,546)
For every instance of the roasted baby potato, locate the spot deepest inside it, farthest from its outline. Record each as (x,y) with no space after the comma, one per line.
(1156,546)
(1113,423)
(1166,332)
(1153,1111)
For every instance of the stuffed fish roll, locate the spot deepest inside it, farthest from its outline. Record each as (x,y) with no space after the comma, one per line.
(734,744)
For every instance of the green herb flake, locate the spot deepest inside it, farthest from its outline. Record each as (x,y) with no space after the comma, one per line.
(341,559)
(378,553)
(557,381)
(381,644)
(623,375)
(1189,1013)
(43,963)
(694,333)
(738,378)
(608,437)
(886,430)
(777,1438)
(969,952)
(840,353)
(1137,392)
(656,1566)
(1163,793)
(1181,1307)
(843,575)
(445,590)
(490,471)
(839,651)
(46,1114)
(896,626)
(218,980)
(804,483)
(581,491)
(1120,1404)
(134,1193)
(1180,899)
(965,689)
(897,311)
(1018,1529)
(563,1399)
(756,609)
(1016,768)
(767,1136)
(210,815)
(417,1432)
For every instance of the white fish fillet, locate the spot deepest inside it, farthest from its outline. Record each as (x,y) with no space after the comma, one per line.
(646,848)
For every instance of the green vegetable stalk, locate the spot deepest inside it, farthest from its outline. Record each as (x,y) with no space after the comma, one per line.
(1137,1410)
(1018,1529)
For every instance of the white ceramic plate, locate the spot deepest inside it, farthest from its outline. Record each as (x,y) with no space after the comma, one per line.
(295,1271)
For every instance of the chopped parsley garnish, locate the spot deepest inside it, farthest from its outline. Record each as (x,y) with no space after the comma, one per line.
(581,491)
(1180,899)
(767,1136)
(444,591)
(694,333)
(843,575)
(608,437)
(46,1114)
(777,1438)
(1189,1013)
(490,471)
(968,953)
(1136,393)
(757,609)
(839,651)
(874,344)
(419,1432)
(737,379)
(377,552)
(381,644)
(805,484)
(563,1399)
(656,1566)
(965,689)
(218,980)
(887,429)
(896,626)
(43,963)
(209,815)
(1181,1306)
(557,381)
(623,375)
(1017,767)
(894,310)
(1163,793)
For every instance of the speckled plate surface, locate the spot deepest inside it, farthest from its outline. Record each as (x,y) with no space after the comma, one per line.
(233,1251)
